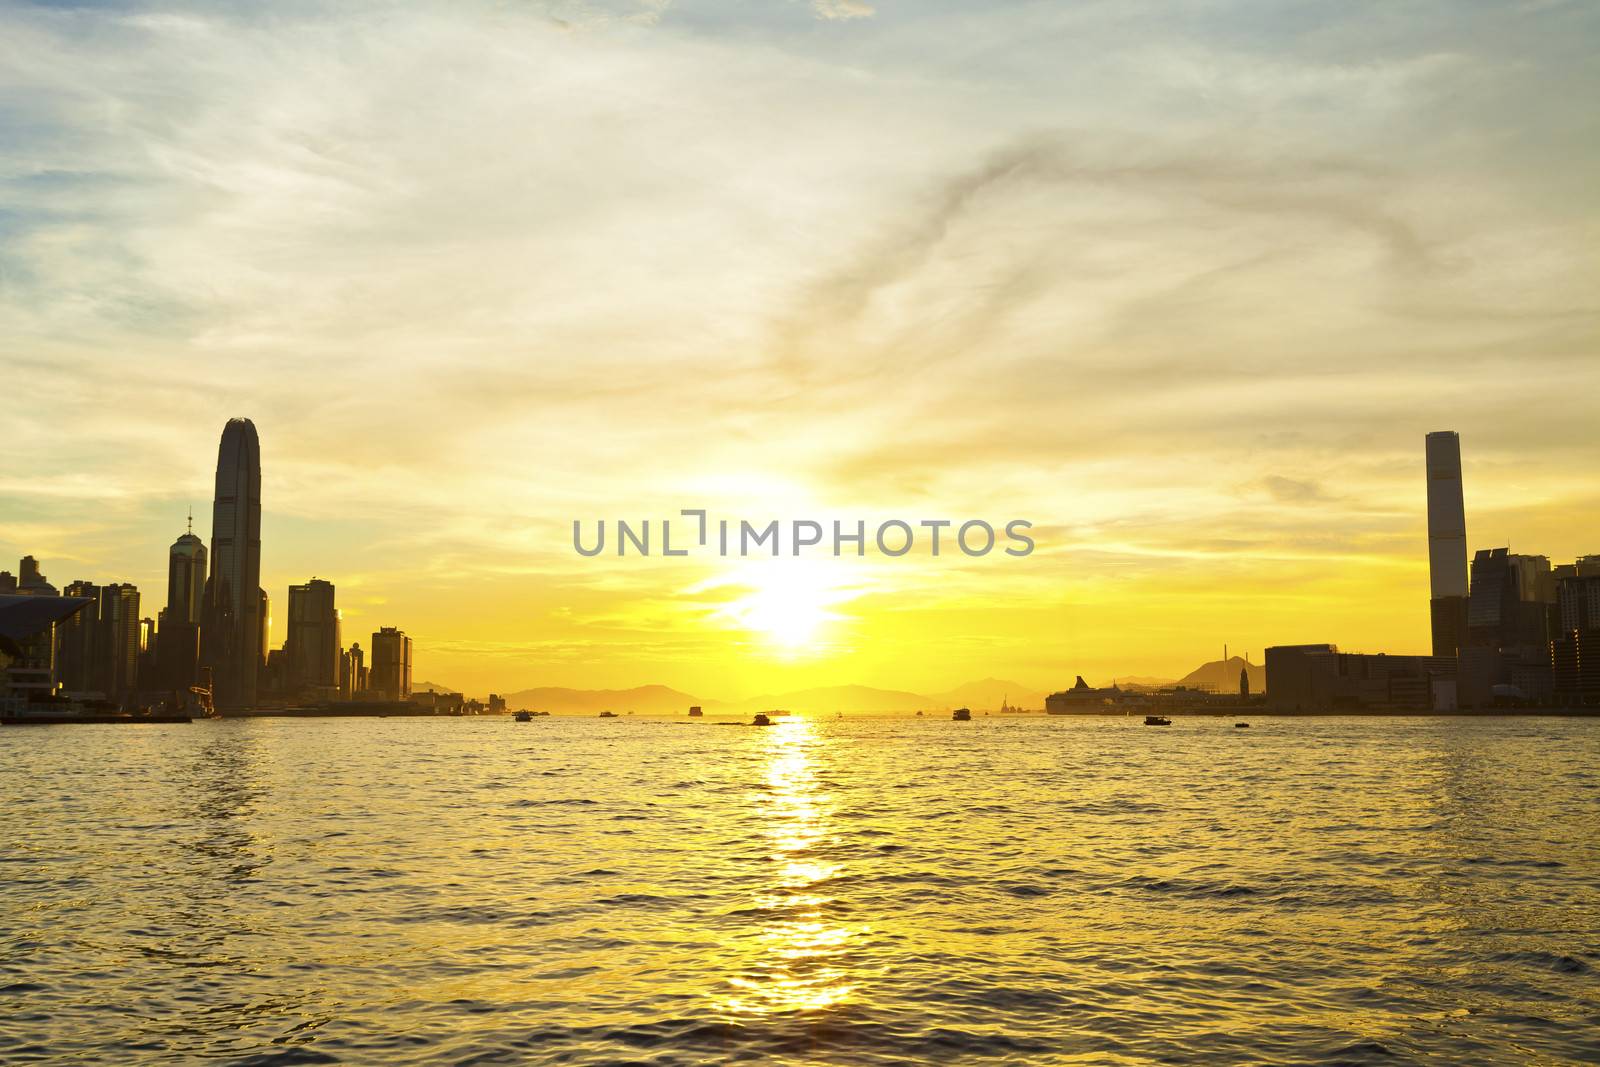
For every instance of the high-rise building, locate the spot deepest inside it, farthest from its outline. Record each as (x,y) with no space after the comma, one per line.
(352,671)
(178,648)
(391,664)
(1447,543)
(1575,649)
(1510,620)
(230,632)
(77,640)
(30,581)
(186,578)
(117,643)
(313,645)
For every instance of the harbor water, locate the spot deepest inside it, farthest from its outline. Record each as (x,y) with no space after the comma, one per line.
(843,891)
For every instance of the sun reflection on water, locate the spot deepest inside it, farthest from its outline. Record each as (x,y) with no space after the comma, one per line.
(801,965)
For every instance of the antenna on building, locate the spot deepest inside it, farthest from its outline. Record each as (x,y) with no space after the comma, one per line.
(191,520)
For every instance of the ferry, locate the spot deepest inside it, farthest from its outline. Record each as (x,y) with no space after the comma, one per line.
(961,715)
(1157,720)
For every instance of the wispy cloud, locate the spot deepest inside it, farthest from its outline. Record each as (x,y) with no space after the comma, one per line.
(478,269)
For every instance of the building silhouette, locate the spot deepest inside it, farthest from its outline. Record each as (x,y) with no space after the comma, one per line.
(231,630)
(178,625)
(352,672)
(1510,621)
(312,649)
(77,640)
(1575,649)
(1447,543)
(1320,678)
(390,676)
(116,665)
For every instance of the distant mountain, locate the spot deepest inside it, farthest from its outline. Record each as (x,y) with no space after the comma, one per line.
(1143,681)
(1223,675)
(840,698)
(649,699)
(988,695)
(432,687)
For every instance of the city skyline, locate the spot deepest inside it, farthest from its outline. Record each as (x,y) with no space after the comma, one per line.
(1183,292)
(312,661)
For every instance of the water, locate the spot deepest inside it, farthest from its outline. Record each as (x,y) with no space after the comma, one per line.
(853,892)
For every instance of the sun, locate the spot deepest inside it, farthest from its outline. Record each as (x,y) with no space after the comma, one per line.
(787,602)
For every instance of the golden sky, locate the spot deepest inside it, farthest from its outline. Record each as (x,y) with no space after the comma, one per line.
(1183,285)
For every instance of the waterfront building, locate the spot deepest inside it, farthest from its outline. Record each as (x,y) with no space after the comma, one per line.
(1447,543)
(77,640)
(1511,618)
(352,672)
(1575,649)
(115,671)
(1320,678)
(177,657)
(231,631)
(28,624)
(390,676)
(313,644)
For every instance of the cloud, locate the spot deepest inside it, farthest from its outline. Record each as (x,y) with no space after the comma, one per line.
(478,269)
(842,9)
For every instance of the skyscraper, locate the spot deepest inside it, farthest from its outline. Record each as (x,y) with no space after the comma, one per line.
(231,630)
(313,645)
(391,664)
(116,668)
(1447,543)
(77,641)
(178,649)
(186,578)
(1512,615)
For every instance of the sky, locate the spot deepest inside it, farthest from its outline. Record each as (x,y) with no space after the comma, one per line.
(1182,284)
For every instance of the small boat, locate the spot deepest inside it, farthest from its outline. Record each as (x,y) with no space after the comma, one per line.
(1157,720)
(608,715)
(523,716)
(961,715)
(1241,726)
(760,720)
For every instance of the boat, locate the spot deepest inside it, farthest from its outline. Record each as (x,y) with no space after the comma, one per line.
(760,720)
(1157,720)
(1241,726)
(523,716)
(608,715)
(961,715)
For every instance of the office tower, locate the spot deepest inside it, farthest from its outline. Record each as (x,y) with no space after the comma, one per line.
(1575,649)
(8,583)
(30,582)
(178,647)
(1511,615)
(186,578)
(116,668)
(1447,543)
(77,641)
(313,643)
(230,632)
(352,672)
(391,664)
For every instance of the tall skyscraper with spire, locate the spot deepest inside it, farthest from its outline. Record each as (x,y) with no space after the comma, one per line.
(230,631)
(1447,543)
(177,652)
